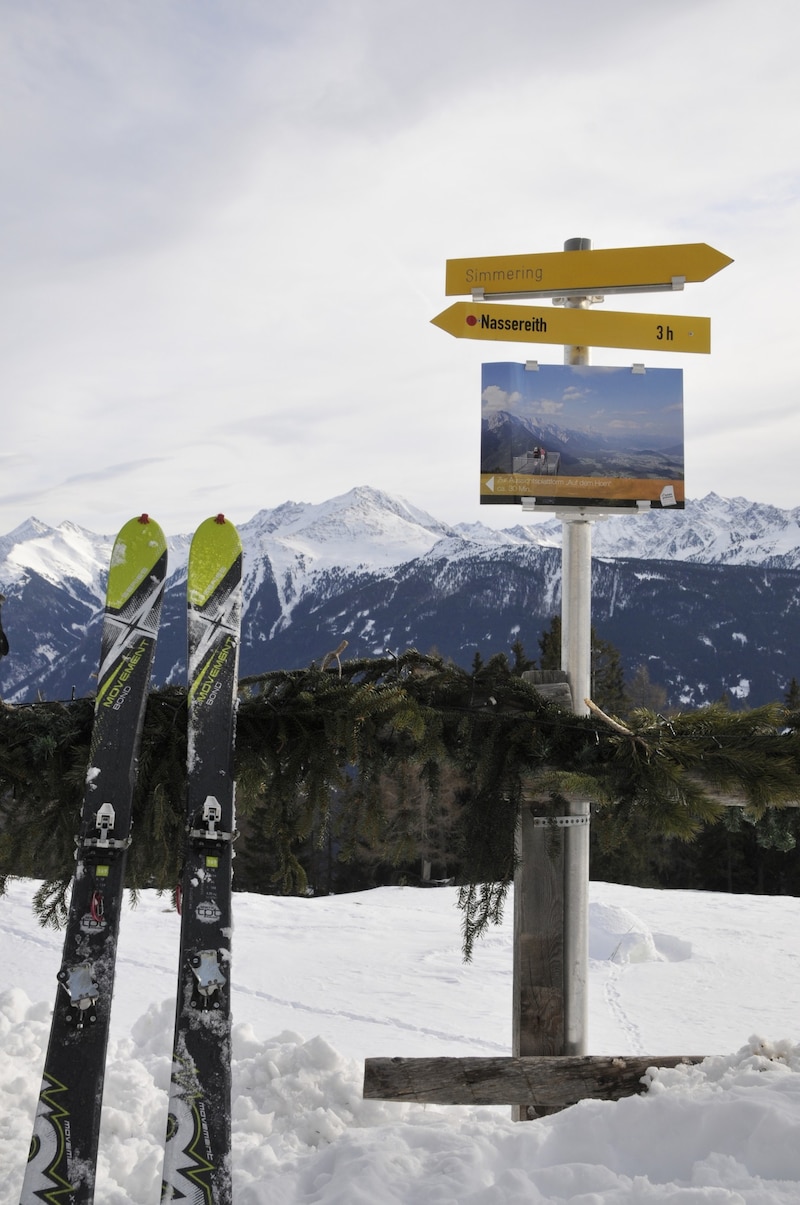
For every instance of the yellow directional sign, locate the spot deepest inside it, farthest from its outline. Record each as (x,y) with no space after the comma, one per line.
(589,328)
(576,273)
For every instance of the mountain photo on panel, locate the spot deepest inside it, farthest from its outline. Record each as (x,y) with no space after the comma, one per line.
(582,435)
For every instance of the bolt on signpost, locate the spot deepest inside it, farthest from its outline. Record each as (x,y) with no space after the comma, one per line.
(552,881)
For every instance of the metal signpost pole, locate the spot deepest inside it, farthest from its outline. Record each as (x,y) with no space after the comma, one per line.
(576,624)
(576,558)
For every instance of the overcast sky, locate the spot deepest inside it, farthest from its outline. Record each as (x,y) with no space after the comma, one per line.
(224,227)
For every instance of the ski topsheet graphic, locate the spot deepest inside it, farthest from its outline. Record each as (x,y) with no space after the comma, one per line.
(197,1163)
(63,1154)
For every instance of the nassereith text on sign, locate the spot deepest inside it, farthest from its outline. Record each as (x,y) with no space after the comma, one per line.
(591,328)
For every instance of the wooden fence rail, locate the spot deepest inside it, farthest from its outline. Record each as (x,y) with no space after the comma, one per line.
(552,1081)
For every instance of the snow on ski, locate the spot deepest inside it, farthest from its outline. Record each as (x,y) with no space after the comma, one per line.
(62,1161)
(197,1160)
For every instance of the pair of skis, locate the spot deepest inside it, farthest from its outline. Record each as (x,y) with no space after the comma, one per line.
(197,1164)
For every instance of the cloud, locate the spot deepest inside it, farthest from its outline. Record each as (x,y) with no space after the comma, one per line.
(495,399)
(108,475)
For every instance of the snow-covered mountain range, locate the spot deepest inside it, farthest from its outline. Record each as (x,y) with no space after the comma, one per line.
(706,597)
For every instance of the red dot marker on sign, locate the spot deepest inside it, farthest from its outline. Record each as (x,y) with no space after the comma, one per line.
(471,320)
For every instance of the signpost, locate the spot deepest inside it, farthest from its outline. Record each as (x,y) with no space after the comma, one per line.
(549,1068)
(593,328)
(583,271)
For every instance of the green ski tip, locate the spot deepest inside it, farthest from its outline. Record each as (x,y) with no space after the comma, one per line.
(215,549)
(137,550)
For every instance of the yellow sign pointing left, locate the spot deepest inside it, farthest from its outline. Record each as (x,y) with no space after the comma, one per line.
(589,328)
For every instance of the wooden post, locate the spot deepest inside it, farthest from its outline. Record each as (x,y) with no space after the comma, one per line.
(550,922)
(550,902)
(538,1011)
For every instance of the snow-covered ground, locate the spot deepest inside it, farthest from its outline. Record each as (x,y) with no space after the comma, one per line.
(320,984)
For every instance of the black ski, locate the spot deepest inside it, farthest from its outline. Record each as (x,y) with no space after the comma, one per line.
(197,1160)
(63,1155)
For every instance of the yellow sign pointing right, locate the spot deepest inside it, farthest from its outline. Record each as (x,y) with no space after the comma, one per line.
(608,270)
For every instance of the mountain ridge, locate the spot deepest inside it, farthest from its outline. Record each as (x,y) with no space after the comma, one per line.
(674,590)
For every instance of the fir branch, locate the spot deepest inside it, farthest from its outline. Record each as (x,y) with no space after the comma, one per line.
(365,748)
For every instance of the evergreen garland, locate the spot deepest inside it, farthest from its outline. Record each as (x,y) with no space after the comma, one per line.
(482,741)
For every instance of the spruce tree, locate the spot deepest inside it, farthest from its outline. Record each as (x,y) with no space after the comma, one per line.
(550,645)
(640,691)
(521,662)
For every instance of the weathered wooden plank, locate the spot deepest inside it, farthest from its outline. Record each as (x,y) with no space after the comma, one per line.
(555,1081)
